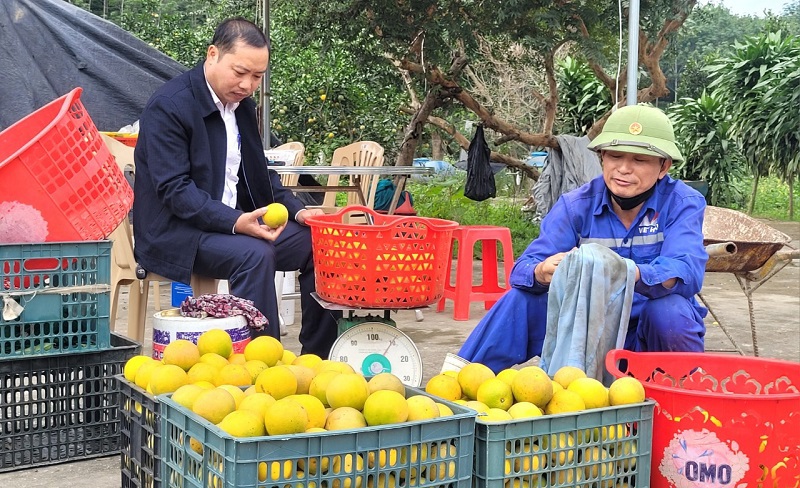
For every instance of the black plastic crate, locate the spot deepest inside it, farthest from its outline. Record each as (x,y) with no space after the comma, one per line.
(140,431)
(61,408)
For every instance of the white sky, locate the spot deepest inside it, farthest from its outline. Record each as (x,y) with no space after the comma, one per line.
(753,7)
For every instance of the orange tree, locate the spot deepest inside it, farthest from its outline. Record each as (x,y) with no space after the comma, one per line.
(432,42)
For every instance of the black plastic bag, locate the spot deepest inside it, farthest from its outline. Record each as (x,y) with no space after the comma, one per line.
(480,178)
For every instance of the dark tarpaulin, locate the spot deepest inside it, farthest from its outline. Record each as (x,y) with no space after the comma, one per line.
(50,47)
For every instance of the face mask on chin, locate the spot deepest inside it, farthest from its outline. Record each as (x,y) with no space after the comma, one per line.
(633,202)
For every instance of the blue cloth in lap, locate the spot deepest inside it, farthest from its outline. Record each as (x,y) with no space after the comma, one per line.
(588,310)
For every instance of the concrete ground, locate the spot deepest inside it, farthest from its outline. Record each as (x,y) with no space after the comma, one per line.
(777,317)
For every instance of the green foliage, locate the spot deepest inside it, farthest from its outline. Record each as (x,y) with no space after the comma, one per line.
(772,200)
(709,32)
(702,129)
(760,80)
(444,199)
(324,98)
(583,99)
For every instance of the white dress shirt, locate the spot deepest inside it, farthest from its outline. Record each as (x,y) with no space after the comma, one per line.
(233,155)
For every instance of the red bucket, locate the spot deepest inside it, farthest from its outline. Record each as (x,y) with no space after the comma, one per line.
(396,262)
(721,421)
(58,180)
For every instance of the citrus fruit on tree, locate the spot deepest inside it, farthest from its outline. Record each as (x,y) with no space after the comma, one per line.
(276,215)
(217,341)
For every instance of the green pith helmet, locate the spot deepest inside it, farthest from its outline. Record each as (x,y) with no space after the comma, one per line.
(638,129)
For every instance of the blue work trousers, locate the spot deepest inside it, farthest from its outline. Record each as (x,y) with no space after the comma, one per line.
(513,331)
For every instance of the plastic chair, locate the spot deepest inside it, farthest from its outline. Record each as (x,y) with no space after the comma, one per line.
(299,159)
(123,264)
(123,272)
(363,153)
(490,289)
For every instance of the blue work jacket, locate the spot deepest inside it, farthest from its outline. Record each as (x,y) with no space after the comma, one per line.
(665,240)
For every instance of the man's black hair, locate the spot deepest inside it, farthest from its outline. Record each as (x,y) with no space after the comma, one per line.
(238,29)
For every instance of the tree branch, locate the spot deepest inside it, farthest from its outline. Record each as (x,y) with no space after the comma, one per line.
(462,141)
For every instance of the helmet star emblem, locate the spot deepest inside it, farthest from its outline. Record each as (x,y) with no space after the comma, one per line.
(635,128)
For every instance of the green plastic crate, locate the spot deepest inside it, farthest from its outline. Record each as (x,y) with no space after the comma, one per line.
(64,289)
(140,436)
(229,462)
(55,409)
(598,448)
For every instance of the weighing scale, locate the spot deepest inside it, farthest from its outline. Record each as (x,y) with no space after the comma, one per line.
(373,344)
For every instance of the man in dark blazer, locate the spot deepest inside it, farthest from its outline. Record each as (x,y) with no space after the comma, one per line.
(202,185)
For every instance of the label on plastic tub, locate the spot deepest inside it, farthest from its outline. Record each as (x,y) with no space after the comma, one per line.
(695,459)
(168,329)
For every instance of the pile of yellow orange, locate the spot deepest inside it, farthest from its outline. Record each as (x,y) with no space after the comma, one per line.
(267,390)
(529,391)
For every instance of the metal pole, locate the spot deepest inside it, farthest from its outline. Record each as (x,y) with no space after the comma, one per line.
(633,53)
(265,90)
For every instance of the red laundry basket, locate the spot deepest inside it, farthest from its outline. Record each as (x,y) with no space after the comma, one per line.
(58,179)
(721,420)
(395,262)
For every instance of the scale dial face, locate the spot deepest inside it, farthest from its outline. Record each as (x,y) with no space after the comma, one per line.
(374,347)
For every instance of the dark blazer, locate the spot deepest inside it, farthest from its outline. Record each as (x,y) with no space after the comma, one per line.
(180,175)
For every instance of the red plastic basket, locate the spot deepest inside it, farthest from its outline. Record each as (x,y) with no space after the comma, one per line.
(721,421)
(56,173)
(395,262)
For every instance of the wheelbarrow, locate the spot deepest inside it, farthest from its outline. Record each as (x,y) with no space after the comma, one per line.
(751,250)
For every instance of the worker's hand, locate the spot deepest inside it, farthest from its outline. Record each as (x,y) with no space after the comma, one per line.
(307,212)
(250,224)
(543,273)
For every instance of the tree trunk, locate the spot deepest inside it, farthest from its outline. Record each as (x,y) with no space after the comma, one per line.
(413,132)
(791,197)
(437,145)
(753,195)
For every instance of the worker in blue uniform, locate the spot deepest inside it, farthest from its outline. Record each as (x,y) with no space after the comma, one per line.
(638,211)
